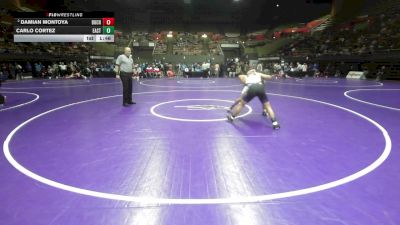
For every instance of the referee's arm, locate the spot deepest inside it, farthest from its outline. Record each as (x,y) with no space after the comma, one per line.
(117,70)
(265,76)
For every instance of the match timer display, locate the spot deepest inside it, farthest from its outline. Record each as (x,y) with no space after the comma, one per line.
(64,27)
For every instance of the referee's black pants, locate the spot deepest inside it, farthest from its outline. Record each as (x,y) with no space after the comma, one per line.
(126,79)
(2,99)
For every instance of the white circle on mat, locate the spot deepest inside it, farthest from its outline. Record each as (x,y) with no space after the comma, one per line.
(153,111)
(58,86)
(200,201)
(347,94)
(377,84)
(22,104)
(65,82)
(311,81)
(188,86)
(196,81)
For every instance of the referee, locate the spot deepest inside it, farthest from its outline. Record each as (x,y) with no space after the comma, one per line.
(124,70)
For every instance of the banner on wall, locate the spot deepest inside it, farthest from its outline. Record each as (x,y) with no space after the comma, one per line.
(355,75)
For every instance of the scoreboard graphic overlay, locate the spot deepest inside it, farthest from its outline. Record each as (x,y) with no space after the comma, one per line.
(64,27)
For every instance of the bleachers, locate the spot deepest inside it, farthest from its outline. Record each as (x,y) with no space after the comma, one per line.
(160,48)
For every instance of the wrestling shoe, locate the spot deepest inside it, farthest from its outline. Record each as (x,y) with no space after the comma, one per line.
(4,101)
(230,118)
(264,113)
(275,125)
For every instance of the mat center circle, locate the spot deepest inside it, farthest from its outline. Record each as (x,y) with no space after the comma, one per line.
(195,110)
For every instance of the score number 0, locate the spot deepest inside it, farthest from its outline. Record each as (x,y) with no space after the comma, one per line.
(108,21)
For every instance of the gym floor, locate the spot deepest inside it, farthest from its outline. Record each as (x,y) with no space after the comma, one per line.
(73,155)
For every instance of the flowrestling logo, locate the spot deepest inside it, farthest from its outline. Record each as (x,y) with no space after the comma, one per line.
(202,107)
